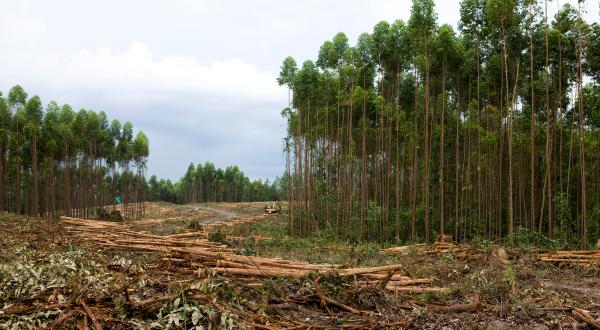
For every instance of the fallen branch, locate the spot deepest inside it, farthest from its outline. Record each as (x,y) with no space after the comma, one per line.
(90,315)
(584,316)
(473,306)
(328,300)
(386,280)
(57,323)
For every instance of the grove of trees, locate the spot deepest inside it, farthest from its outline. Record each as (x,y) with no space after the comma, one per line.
(419,130)
(55,161)
(206,183)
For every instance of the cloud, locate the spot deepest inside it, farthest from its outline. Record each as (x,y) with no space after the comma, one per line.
(224,111)
(136,75)
(17,26)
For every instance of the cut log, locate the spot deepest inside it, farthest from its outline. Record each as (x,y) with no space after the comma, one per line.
(584,316)
(473,306)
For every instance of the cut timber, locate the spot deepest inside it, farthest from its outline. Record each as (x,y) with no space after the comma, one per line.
(328,300)
(358,271)
(579,258)
(186,254)
(584,316)
(403,282)
(405,248)
(473,306)
(417,289)
(263,272)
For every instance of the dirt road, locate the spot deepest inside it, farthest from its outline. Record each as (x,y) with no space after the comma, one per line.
(219,214)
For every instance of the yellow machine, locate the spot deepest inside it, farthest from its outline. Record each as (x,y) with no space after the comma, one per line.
(274,208)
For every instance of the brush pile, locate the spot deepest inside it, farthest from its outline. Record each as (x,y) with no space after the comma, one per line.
(192,255)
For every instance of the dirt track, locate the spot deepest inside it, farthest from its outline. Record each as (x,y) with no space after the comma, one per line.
(219,214)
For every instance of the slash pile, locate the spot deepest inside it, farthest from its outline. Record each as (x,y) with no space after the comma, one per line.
(202,257)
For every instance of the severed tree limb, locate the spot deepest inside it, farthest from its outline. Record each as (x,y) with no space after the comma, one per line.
(328,300)
(90,315)
(584,316)
(473,306)
(151,300)
(387,279)
(23,309)
(57,323)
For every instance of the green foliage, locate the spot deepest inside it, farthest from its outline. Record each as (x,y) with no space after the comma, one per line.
(181,313)
(206,183)
(217,237)
(362,157)
(524,238)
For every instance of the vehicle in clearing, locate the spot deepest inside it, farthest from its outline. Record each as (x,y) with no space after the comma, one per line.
(274,208)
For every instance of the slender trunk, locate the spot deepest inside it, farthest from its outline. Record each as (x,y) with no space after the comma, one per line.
(584,234)
(34,199)
(18,174)
(363,170)
(2,165)
(532,126)
(427,174)
(413,233)
(478,167)
(397,165)
(548,122)
(442,150)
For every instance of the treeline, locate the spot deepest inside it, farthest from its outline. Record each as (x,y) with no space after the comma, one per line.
(420,130)
(206,183)
(56,161)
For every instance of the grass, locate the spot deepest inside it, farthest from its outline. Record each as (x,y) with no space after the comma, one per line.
(314,249)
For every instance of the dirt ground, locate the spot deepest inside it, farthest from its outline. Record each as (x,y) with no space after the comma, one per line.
(51,277)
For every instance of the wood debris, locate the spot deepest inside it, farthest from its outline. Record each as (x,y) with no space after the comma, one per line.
(572,258)
(192,254)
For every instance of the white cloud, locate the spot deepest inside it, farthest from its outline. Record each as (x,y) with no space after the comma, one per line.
(137,71)
(17,26)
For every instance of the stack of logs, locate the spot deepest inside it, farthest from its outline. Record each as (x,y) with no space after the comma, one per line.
(574,258)
(437,247)
(199,256)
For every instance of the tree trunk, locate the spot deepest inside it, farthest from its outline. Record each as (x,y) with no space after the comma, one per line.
(34,199)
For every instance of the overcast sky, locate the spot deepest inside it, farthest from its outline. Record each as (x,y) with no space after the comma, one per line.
(197,76)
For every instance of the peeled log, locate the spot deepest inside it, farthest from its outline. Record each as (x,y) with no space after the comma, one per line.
(358,271)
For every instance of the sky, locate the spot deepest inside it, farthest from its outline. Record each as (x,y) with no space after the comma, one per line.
(197,76)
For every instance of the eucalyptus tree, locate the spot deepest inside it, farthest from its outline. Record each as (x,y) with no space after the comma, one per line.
(17,98)
(366,68)
(502,15)
(141,151)
(113,154)
(66,143)
(422,25)
(400,58)
(5,129)
(286,77)
(51,136)
(583,201)
(125,154)
(448,51)
(472,25)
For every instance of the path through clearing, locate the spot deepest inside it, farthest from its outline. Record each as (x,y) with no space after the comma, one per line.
(219,214)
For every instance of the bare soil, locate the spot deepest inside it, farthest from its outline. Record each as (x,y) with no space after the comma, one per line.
(51,278)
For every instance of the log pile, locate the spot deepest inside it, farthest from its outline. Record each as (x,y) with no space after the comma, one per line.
(437,247)
(192,255)
(572,258)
